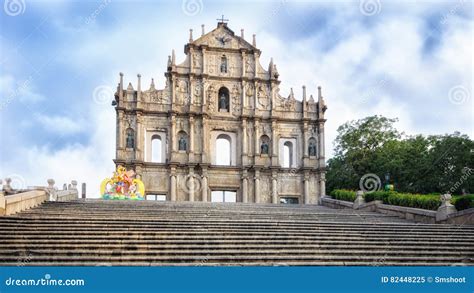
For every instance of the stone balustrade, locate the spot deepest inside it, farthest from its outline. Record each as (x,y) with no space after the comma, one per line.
(446,213)
(12,201)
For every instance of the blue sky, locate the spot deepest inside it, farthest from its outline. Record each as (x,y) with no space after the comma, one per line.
(60,62)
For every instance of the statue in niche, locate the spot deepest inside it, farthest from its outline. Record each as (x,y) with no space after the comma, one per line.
(130,140)
(182,144)
(264,148)
(312,149)
(223,102)
(224,64)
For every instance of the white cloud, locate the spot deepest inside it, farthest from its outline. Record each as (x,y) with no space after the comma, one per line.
(61,125)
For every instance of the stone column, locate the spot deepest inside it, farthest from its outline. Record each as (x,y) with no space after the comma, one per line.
(322,162)
(190,186)
(305,139)
(191,134)
(257,186)
(257,136)
(245,187)
(172,134)
(191,90)
(275,143)
(322,185)
(139,139)
(306,188)
(173,184)
(205,138)
(243,64)
(274,187)
(204,63)
(83,194)
(244,142)
(204,185)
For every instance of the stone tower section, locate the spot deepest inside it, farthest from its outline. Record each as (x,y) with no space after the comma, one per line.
(221,125)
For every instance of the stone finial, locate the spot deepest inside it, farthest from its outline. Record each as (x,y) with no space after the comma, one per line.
(51,183)
(359,199)
(139,83)
(304,93)
(83,193)
(7,187)
(190,35)
(169,61)
(202,29)
(173,57)
(74,184)
(242,33)
(64,186)
(152,84)
(130,87)
(254,41)
(292,95)
(446,208)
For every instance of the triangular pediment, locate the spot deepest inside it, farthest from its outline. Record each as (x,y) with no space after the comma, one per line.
(223,37)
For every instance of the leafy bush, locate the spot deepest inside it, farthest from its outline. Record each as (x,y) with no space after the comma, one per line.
(463,202)
(343,194)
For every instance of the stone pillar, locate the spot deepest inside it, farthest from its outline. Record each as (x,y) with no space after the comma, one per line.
(274,187)
(446,208)
(306,188)
(139,143)
(322,162)
(190,186)
(243,64)
(51,189)
(204,61)
(191,134)
(83,194)
(205,138)
(359,199)
(245,187)
(305,139)
(191,90)
(275,144)
(322,185)
(244,137)
(257,137)
(173,184)
(172,134)
(257,186)
(204,185)
(74,185)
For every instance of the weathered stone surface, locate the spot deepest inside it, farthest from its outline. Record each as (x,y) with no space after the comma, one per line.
(222,91)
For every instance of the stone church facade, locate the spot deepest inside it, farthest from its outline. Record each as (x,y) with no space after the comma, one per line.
(221,125)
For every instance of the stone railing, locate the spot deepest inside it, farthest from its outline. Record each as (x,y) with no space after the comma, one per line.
(446,213)
(22,200)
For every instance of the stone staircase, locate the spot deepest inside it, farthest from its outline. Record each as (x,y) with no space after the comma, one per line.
(96,232)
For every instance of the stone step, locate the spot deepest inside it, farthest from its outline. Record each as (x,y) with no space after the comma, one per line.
(96,232)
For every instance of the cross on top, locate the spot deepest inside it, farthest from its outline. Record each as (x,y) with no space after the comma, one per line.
(222,20)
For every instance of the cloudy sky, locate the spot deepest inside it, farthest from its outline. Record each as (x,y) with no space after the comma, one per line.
(60,63)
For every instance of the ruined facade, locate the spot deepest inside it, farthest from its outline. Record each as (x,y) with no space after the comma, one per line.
(221,125)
